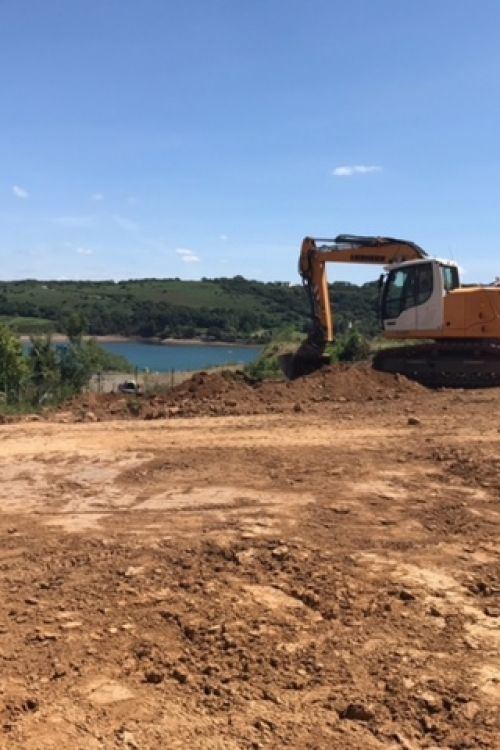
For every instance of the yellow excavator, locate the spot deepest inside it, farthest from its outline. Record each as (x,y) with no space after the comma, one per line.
(419,298)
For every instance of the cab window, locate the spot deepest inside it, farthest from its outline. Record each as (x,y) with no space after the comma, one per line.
(406,288)
(424,282)
(450,278)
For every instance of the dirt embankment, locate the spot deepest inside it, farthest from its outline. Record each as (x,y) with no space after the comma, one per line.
(232,393)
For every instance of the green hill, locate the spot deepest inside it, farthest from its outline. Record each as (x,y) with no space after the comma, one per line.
(221,309)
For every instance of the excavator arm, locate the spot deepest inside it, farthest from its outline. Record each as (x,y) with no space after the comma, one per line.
(314,255)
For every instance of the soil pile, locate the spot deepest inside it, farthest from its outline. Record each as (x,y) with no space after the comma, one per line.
(356,382)
(233,393)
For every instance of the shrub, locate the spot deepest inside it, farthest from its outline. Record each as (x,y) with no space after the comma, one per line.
(352,347)
(267,365)
(13,365)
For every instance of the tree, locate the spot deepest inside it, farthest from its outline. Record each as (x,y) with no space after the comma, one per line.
(45,370)
(75,364)
(13,365)
(74,326)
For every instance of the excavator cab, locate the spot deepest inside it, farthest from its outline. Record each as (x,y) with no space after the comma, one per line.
(412,296)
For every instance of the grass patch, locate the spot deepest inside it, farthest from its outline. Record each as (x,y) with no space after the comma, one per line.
(28,326)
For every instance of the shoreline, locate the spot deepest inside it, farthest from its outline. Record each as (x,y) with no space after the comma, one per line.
(60,338)
(200,342)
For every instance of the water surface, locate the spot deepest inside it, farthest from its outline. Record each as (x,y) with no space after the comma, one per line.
(166,357)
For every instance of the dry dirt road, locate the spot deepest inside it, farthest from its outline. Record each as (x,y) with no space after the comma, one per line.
(290,580)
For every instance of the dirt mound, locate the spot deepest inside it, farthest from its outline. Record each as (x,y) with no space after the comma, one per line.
(356,382)
(233,393)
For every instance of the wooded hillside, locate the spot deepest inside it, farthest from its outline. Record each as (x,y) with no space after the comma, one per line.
(222,309)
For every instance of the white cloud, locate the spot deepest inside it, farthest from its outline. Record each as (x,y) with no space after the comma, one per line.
(187,255)
(127,224)
(223,237)
(96,197)
(20,192)
(348,170)
(84,251)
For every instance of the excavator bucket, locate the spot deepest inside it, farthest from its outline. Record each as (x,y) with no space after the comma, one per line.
(298,364)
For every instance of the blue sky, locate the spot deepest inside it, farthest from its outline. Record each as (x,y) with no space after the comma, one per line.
(206,138)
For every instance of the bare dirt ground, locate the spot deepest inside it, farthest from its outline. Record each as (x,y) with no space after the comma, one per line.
(315,571)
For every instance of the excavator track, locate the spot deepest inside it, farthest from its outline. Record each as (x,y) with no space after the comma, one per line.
(445,364)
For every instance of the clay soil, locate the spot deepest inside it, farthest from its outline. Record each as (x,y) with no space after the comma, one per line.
(241,566)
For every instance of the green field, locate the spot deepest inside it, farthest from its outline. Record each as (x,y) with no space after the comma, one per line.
(28,325)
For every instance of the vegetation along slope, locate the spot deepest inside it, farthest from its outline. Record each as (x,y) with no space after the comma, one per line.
(221,309)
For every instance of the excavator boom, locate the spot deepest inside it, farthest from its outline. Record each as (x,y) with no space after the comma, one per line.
(314,255)
(345,248)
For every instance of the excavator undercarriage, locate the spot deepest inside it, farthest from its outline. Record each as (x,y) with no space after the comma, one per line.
(445,364)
